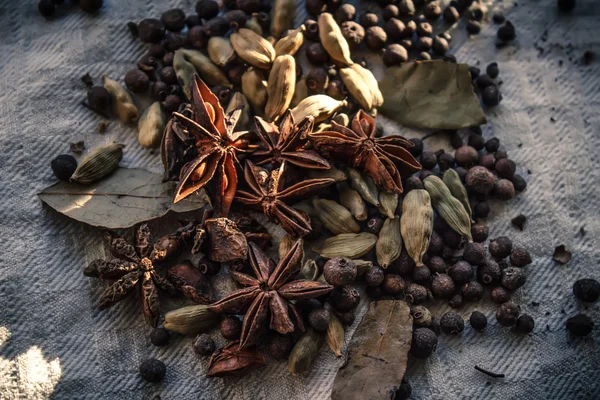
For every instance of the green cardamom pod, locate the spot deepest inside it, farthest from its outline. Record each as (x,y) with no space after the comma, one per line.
(335,334)
(335,217)
(333,40)
(254,87)
(98,163)
(354,202)
(290,43)
(184,70)
(190,320)
(281,86)
(310,270)
(388,204)
(282,16)
(220,50)
(122,102)
(362,266)
(448,207)
(304,352)
(365,186)
(389,243)
(208,71)
(151,126)
(416,224)
(253,48)
(318,106)
(336,174)
(458,190)
(349,245)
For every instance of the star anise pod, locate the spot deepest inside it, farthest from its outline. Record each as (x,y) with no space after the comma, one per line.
(217,146)
(287,143)
(268,194)
(233,361)
(132,267)
(271,289)
(385,159)
(177,147)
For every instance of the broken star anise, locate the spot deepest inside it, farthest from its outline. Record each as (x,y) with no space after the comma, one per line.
(133,267)
(233,361)
(267,194)
(385,159)
(217,146)
(287,143)
(271,289)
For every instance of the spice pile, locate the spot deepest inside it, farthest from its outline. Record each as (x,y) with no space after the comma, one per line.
(364,212)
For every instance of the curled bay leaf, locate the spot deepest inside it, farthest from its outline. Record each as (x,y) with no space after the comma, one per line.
(125,198)
(378,353)
(431,94)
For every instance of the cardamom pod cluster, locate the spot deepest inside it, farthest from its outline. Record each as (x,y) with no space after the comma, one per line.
(122,102)
(349,245)
(416,224)
(280,86)
(332,39)
(98,163)
(151,126)
(319,106)
(335,217)
(190,320)
(252,48)
(389,242)
(458,190)
(448,207)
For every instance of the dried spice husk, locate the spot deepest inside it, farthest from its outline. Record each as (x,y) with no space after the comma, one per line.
(226,241)
(280,86)
(458,190)
(151,126)
(220,50)
(206,69)
(252,48)
(291,43)
(190,320)
(98,163)
(335,335)
(254,87)
(389,243)
(300,92)
(282,16)
(416,224)
(252,229)
(349,245)
(239,101)
(185,72)
(333,40)
(233,361)
(353,201)
(170,245)
(335,217)
(319,106)
(123,105)
(365,186)
(191,282)
(286,244)
(304,352)
(310,270)
(448,207)
(388,203)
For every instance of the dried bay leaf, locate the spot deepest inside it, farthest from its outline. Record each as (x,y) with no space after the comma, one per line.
(431,94)
(378,353)
(123,199)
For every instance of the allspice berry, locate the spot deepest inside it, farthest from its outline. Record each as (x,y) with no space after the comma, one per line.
(236,18)
(451,15)
(456,301)
(424,343)
(393,284)
(492,145)
(374,276)
(421,275)
(415,294)
(248,6)
(280,346)
(390,11)
(207,9)
(506,32)
(432,10)
(152,370)
(394,54)
(137,81)
(424,29)
(436,244)
(406,8)
(316,54)
(580,325)
(319,319)
(421,316)
(472,291)
(473,27)
(99,100)
(491,96)
(46,8)
(505,168)
(452,323)
(513,278)
(63,166)
(480,180)
(339,271)
(151,30)
(507,314)
(346,12)
(312,30)
(499,295)
(231,328)
(476,141)
(374,225)
(436,264)
(375,38)
(440,46)
(489,273)
(344,298)
(500,247)
(173,19)
(353,32)
(197,37)
(474,253)
(368,20)
(525,324)
(504,190)
(466,156)
(394,28)
(217,26)
(461,272)
(519,257)
(587,289)
(159,337)
(203,345)
(487,161)
(403,266)
(428,159)
(317,80)
(482,209)
(478,320)
(442,286)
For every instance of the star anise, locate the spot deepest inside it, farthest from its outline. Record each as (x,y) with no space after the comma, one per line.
(233,361)
(385,159)
(272,289)
(287,143)
(267,194)
(217,146)
(133,267)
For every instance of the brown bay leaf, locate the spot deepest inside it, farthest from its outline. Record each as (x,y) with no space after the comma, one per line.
(377,353)
(123,199)
(431,94)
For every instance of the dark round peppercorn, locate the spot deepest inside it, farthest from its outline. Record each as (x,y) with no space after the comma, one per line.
(421,275)
(451,15)
(417,148)
(480,180)
(504,190)
(499,295)
(424,29)
(168,59)
(99,100)
(445,161)
(424,343)
(319,319)
(197,37)
(316,54)
(507,314)
(375,38)
(428,159)
(421,316)
(315,7)
(474,71)
(346,12)
(587,289)
(461,272)
(466,156)
(500,247)
(207,9)
(390,11)
(394,28)
(346,317)
(432,10)
(506,32)
(393,284)
(491,96)
(203,345)
(492,145)
(436,244)
(280,346)
(236,18)
(505,168)
(474,253)
(193,20)
(442,286)
(405,390)
(344,298)
(498,17)
(160,337)
(452,323)
(452,239)
(208,267)
(406,8)
(374,225)
(353,32)
(473,27)
(456,141)
(451,58)
(492,70)
(374,276)
(223,94)
(476,141)
(368,20)
(440,46)
(230,4)
(472,291)
(519,257)
(46,8)
(173,19)
(525,324)
(476,13)
(137,81)
(415,294)
(456,301)
(436,264)
(489,273)
(317,80)
(151,30)
(487,161)
(478,320)
(519,183)
(231,327)
(482,209)
(339,271)
(174,41)
(90,6)
(513,278)
(483,81)
(63,166)
(404,265)
(312,30)
(168,75)
(424,56)
(248,6)
(448,254)
(580,325)
(152,370)
(394,54)
(217,26)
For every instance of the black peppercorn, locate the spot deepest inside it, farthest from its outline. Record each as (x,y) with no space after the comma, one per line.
(316,54)
(223,94)
(63,166)
(566,5)
(462,173)
(197,37)
(99,100)
(456,141)
(480,180)
(513,278)
(472,291)
(208,267)
(481,210)
(432,10)
(417,148)
(466,156)
(375,37)
(339,271)
(474,253)
(231,328)
(173,19)
(478,320)
(394,54)
(492,70)
(473,27)
(152,370)
(393,284)
(317,80)
(193,20)
(137,81)
(160,337)
(346,12)
(451,58)
(436,264)
(174,41)
(344,298)
(374,276)
(390,11)
(405,390)
(456,301)
(207,9)
(217,26)
(415,294)
(368,20)
(451,15)
(487,161)
(491,96)
(452,239)
(492,145)
(168,75)
(525,324)
(421,316)
(151,30)
(476,141)
(236,18)
(483,81)
(507,314)
(442,286)
(421,274)
(445,161)
(203,345)
(452,323)
(353,32)
(461,272)
(424,343)
(499,295)
(519,183)
(500,247)
(489,272)
(248,6)
(424,29)
(506,32)
(440,46)
(498,17)
(428,159)
(312,30)
(403,266)
(587,289)
(46,8)
(474,71)
(280,346)
(90,6)
(580,325)
(519,257)
(374,225)
(319,319)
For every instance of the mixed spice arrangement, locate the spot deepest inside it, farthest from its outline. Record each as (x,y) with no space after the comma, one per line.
(368,217)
